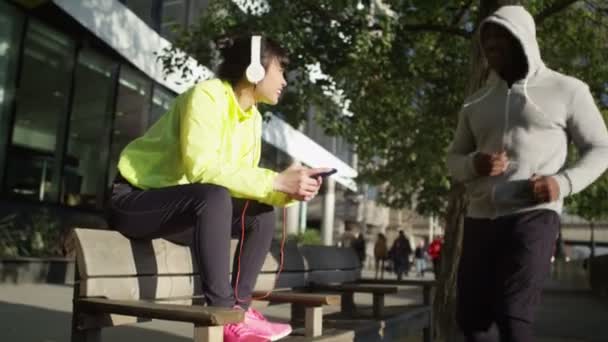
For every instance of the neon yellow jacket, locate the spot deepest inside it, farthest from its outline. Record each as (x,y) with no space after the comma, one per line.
(204,138)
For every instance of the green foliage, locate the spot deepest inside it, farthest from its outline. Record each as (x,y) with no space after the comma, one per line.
(35,234)
(310,236)
(403,73)
(575,43)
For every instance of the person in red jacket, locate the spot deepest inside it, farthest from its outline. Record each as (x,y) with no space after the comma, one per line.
(434,251)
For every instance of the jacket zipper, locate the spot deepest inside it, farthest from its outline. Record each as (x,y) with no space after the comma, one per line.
(506,123)
(504,139)
(255,140)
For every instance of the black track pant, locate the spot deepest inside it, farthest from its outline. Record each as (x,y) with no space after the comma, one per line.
(503,266)
(204,216)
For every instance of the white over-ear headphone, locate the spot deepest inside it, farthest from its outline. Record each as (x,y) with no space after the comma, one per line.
(255,71)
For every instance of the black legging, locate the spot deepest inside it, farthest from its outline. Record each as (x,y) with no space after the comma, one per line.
(207,216)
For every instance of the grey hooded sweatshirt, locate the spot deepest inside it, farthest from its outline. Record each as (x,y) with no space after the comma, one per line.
(533,122)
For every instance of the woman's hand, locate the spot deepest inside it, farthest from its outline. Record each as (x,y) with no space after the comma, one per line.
(299,182)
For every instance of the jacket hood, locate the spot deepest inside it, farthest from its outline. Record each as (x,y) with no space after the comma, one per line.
(518,21)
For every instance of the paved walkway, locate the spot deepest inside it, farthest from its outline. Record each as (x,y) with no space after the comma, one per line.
(41,313)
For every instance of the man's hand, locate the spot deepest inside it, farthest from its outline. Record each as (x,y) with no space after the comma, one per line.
(544,188)
(491,164)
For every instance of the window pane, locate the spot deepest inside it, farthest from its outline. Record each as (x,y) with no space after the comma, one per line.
(131,117)
(11,23)
(161,102)
(145,10)
(173,14)
(197,8)
(86,158)
(42,101)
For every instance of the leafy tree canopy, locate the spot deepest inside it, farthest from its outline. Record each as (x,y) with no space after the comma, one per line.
(397,74)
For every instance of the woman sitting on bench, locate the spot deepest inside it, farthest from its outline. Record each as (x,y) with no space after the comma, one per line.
(195,171)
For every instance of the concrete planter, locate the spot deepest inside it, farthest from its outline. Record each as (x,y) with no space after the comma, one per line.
(37,270)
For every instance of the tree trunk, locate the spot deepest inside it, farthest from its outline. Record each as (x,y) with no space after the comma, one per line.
(590,269)
(444,304)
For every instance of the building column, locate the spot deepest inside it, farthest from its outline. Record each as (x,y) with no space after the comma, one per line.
(303,215)
(292,221)
(329,203)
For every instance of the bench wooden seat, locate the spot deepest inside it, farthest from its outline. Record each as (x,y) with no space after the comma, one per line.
(339,270)
(195,314)
(122,281)
(305,299)
(427,287)
(348,291)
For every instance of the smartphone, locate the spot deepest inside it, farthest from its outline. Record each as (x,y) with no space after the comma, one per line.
(325,174)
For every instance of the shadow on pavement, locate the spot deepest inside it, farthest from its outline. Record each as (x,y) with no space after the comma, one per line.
(572,316)
(33,324)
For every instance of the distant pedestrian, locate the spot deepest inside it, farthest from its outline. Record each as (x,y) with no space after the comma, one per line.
(434,252)
(380,254)
(400,255)
(420,258)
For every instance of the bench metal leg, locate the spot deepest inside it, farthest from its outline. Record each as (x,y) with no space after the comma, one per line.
(378,303)
(313,323)
(209,333)
(80,333)
(426,335)
(347,304)
(426,300)
(297,313)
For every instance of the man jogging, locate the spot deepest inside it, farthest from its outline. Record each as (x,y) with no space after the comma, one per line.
(510,149)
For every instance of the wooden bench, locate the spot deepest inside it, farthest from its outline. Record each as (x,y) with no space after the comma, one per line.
(427,287)
(122,281)
(333,269)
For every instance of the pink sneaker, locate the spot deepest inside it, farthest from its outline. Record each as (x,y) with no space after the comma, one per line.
(273,331)
(241,332)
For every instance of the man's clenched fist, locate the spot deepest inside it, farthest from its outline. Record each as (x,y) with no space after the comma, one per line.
(544,188)
(491,164)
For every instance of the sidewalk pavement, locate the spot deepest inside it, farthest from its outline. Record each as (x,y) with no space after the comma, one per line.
(42,313)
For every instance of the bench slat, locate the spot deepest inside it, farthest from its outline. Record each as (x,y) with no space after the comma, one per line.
(104,253)
(355,288)
(109,253)
(306,299)
(405,282)
(147,287)
(194,314)
(330,258)
(335,276)
(153,287)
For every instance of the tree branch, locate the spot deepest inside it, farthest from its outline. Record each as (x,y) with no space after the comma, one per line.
(437,28)
(597,7)
(556,7)
(463,10)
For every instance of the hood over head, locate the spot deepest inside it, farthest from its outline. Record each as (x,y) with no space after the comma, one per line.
(518,21)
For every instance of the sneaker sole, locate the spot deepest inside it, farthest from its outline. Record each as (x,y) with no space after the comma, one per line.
(282,335)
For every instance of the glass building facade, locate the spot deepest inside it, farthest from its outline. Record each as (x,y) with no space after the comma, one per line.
(68,110)
(69,104)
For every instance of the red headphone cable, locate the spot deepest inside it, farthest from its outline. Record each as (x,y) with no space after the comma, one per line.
(282,256)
